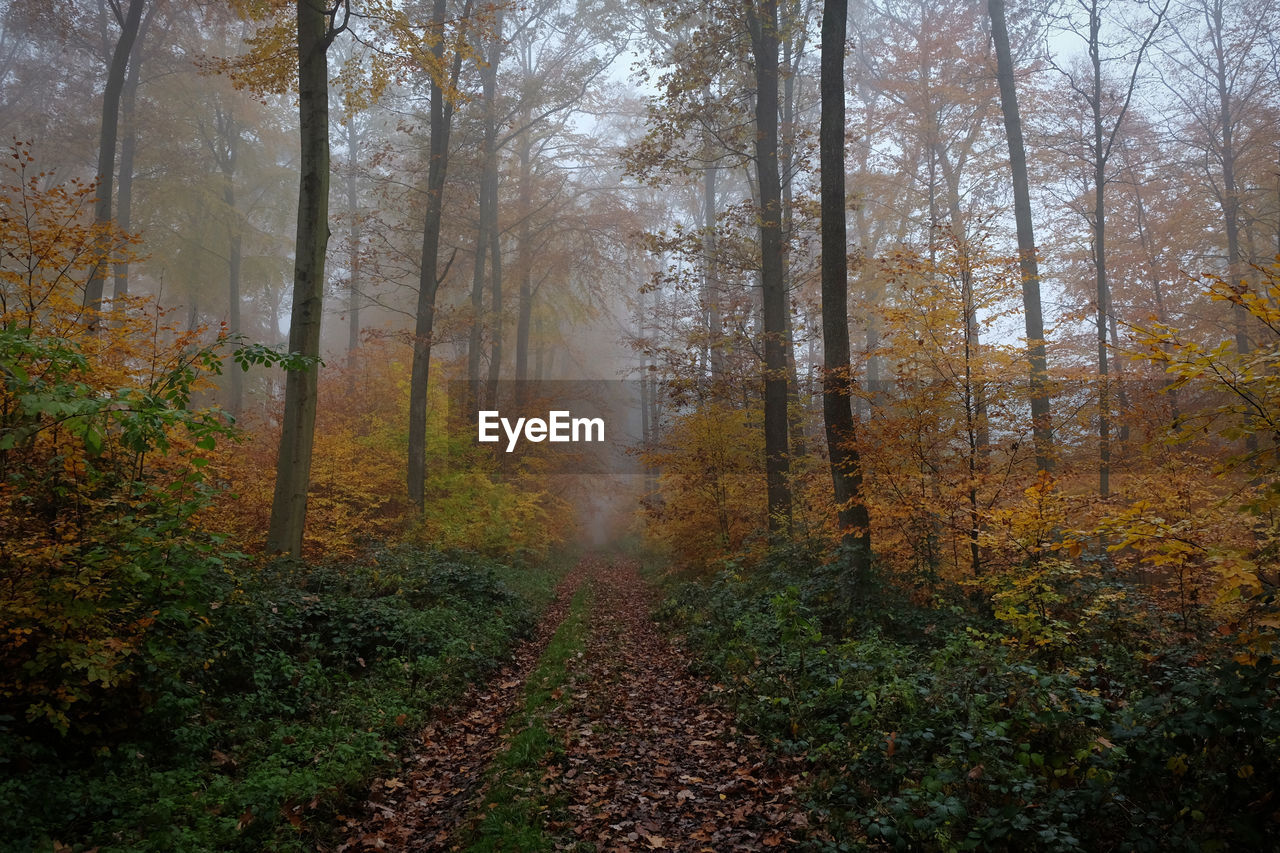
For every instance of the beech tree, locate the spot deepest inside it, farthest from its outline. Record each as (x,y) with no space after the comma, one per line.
(1107,110)
(130,21)
(430,276)
(837,380)
(1031,306)
(1222,81)
(317,26)
(762,21)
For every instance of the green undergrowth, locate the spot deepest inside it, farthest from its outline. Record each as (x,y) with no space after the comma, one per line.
(272,717)
(512,816)
(927,728)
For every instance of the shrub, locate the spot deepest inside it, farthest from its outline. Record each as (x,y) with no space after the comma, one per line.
(930,730)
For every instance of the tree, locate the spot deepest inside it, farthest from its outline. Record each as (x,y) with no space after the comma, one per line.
(837,405)
(129,146)
(1034,318)
(317,28)
(130,21)
(429,276)
(762,21)
(1223,78)
(488,234)
(1104,107)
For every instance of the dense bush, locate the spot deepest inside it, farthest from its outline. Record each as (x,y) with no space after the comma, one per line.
(928,729)
(292,694)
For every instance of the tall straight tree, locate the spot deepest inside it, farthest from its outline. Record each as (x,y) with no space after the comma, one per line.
(837,405)
(1099,150)
(441,120)
(225,147)
(317,28)
(130,22)
(129,147)
(355,237)
(762,20)
(488,238)
(1224,78)
(1033,315)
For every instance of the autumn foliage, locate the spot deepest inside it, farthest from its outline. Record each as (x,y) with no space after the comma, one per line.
(357,495)
(101,455)
(122,488)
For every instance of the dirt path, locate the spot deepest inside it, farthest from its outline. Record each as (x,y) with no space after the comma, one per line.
(437,789)
(646,763)
(652,766)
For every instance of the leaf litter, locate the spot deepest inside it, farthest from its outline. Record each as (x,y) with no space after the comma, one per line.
(647,763)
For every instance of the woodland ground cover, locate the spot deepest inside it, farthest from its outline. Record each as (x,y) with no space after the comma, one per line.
(251,732)
(931,727)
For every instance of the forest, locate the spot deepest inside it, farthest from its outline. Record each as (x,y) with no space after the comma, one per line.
(933,352)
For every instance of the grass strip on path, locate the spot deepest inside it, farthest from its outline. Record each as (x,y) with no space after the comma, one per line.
(511,813)
(445,773)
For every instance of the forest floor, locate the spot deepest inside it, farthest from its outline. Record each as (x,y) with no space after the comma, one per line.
(596,737)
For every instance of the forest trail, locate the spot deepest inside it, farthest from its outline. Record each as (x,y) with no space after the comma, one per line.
(636,760)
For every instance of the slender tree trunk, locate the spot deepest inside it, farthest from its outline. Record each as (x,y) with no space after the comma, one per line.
(1157,291)
(495,292)
(837,374)
(1106,320)
(792,49)
(293,464)
(1034,319)
(1103,294)
(871,294)
(710,280)
(475,336)
(107,140)
(763,22)
(441,117)
(487,213)
(234,256)
(355,235)
(524,259)
(974,413)
(495,229)
(129,149)
(539,358)
(1230,192)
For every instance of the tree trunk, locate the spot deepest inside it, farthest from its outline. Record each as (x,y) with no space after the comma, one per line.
(1039,375)
(441,116)
(495,230)
(487,213)
(539,360)
(129,150)
(710,280)
(1230,192)
(792,52)
(355,234)
(763,22)
(1102,294)
(234,258)
(837,377)
(495,292)
(107,141)
(293,464)
(524,260)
